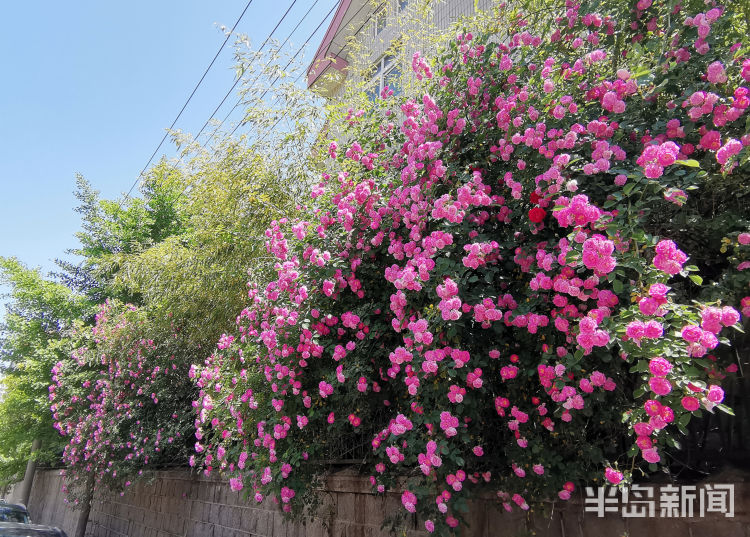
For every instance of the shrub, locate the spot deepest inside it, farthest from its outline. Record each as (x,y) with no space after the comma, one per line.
(486,286)
(123,401)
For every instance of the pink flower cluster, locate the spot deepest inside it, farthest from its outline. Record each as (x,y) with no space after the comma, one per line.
(652,304)
(450,304)
(668,257)
(577,212)
(703,21)
(590,335)
(704,337)
(731,148)
(478,253)
(597,254)
(637,330)
(448,423)
(657,157)
(430,459)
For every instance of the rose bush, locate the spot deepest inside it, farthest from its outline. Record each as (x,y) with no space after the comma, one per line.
(491,284)
(123,401)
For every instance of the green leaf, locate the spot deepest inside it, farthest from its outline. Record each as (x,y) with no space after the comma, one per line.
(617,286)
(690,163)
(685,419)
(697,280)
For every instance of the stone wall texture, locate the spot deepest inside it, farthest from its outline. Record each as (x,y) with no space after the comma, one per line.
(47,502)
(179,503)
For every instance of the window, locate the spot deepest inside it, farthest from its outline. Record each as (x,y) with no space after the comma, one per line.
(380,20)
(10,513)
(402,4)
(385,72)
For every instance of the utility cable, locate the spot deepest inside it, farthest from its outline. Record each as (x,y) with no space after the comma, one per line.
(151,158)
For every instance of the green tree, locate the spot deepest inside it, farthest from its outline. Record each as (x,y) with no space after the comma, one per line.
(34,336)
(113,229)
(198,276)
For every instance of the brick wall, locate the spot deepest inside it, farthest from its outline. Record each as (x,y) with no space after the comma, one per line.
(180,504)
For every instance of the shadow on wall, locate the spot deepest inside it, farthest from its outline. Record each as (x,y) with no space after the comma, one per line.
(179,503)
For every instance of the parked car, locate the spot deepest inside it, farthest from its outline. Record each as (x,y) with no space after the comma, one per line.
(15,522)
(14,512)
(19,529)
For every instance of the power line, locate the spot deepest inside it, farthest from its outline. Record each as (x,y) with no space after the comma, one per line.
(268,131)
(277,77)
(231,89)
(80,264)
(262,71)
(287,65)
(302,47)
(188,99)
(290,62)
(235,84)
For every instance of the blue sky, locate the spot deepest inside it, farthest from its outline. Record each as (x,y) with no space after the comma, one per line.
(90,86)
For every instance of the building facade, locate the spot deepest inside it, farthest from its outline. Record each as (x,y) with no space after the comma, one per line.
(370,31)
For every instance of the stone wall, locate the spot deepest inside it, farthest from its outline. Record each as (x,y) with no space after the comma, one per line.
(180,504)
(47,502)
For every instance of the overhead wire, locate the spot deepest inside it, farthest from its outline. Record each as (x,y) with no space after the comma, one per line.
(301,48)
(174,122)
(268,131)
(365,4)
(239,78)
(239,101)
(184,106)
(290,62)
(229,34)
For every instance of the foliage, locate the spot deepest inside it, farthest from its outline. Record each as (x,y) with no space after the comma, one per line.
(490,292)
(113,230)
(198,275)
(181,253)
(34,337)
(123,400)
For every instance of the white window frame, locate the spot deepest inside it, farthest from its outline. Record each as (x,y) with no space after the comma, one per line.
(382,68)
(380,21)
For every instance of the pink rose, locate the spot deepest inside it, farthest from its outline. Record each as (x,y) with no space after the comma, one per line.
(651,455)
(659,385)
(613,476)
(659,367)
(715,394)
(691,404)
(691,333)
(715,73)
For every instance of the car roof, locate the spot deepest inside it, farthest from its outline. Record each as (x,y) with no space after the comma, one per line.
(20,506)
(17,529)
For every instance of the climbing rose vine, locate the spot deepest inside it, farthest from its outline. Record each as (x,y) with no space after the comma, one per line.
(123,400)
(482,290)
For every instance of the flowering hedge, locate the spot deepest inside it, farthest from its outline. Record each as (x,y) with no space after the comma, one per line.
(492,285)
(123,400)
